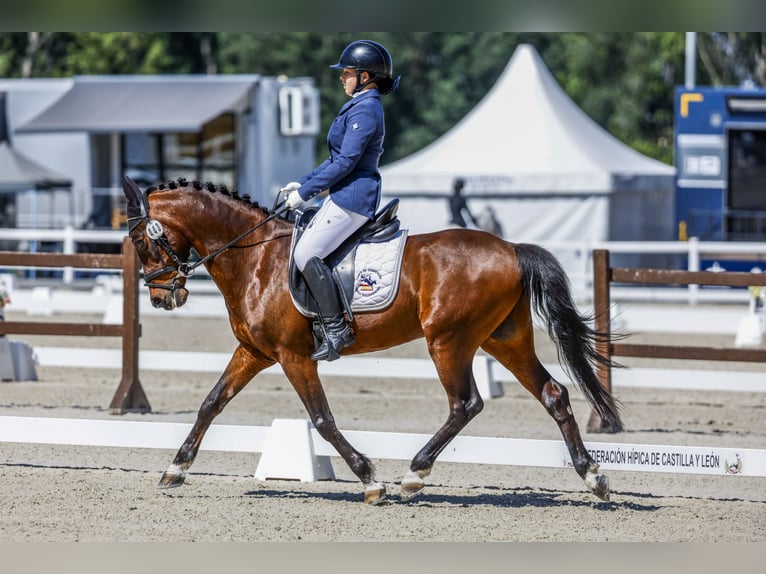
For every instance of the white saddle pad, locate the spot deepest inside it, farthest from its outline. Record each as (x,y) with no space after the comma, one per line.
(377,267)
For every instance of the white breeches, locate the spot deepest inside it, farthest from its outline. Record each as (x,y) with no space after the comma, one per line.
(330,227)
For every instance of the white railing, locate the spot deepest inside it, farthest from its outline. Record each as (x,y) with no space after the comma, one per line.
(577,254)
(67,236)
(693,251)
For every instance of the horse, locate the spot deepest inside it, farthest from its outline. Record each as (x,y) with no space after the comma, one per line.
(462,290)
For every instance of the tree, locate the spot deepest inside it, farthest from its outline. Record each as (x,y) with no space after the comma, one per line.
(732,58)
(624,81)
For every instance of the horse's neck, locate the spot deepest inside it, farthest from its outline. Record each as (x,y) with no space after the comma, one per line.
(214,223)
(211,222)
(208,235)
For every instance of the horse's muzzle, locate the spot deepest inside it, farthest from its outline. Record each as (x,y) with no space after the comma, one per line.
(170,299)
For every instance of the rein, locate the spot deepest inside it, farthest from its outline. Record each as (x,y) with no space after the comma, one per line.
(156,233)
(189,268)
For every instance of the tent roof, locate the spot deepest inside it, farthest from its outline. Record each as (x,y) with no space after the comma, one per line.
(526,135)
(142,103)
(18,172)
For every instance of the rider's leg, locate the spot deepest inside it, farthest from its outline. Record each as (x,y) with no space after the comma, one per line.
(326,231)
(338,334)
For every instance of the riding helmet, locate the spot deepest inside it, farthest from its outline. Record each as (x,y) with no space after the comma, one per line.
(366,55)
(372,57)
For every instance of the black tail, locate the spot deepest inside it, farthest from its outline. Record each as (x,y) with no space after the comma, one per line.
(550,295)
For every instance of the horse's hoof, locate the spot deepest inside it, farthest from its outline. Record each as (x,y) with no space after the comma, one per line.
(171,480)
(602,487)
(412,485)
(597,483)
(411,491)
(374,494)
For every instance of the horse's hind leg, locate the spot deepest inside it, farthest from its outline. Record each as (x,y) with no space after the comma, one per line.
(555,399)
(514,348)
(242,367)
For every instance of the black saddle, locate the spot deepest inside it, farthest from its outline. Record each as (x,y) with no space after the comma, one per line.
(382,227)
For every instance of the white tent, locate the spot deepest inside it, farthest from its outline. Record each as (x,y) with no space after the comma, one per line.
(548,170)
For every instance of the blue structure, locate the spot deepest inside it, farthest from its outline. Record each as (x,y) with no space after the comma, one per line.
(720,144)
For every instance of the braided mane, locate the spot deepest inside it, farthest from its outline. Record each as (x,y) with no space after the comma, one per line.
(182,182)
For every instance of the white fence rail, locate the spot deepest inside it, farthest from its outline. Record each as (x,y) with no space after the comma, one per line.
(578,257)
(293,449)
(488,373)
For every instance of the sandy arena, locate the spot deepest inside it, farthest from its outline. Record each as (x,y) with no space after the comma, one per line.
(67,493)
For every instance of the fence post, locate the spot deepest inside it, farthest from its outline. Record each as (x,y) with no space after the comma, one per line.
(584,256)
(693,264)
(602,311)
(69,248)
(130,396)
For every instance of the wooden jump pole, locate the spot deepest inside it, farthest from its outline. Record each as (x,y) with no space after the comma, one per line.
(602,324)
(130,396)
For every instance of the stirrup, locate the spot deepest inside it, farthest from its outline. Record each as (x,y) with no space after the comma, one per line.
(325,352)
(328,349)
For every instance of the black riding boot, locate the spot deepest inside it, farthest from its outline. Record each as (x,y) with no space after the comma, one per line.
(337,333)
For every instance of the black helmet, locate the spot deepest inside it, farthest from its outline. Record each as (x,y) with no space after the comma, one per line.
(369,56)
(366,55)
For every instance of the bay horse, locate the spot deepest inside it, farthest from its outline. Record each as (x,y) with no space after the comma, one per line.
(463,290)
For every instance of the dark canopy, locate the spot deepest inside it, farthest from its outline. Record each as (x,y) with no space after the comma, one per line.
(150,103)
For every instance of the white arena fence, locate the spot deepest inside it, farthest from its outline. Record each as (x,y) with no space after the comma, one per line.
(291,449)
(578,255)
(488,373)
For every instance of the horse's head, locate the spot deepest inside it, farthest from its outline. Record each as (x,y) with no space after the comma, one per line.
(162,250)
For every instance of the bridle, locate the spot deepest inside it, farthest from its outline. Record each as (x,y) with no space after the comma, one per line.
(183,268)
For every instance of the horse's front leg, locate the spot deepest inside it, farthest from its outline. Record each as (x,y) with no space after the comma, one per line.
(242,367)
(302,373)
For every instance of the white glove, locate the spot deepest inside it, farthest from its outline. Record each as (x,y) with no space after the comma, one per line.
(293,200)
(292,186)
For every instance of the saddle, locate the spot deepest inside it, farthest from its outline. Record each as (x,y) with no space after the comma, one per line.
(380,229)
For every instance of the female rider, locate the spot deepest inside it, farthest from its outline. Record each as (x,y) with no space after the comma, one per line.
(351,175)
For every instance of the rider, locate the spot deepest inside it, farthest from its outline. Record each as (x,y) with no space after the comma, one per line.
(351,175)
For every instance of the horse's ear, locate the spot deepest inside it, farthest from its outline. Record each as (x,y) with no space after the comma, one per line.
(137,207)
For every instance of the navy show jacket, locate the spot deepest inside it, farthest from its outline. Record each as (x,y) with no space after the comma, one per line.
(351,172)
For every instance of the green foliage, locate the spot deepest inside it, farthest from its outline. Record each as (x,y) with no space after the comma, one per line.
(623,81)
